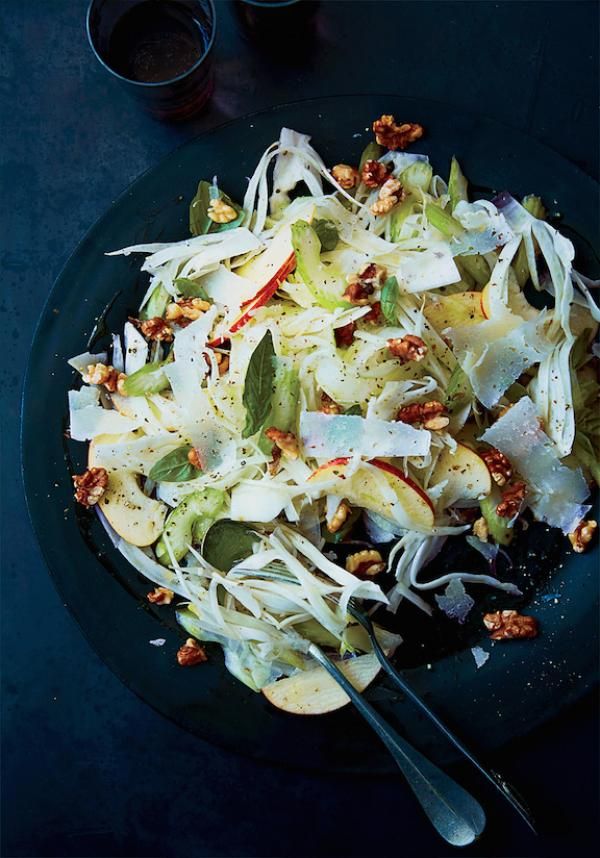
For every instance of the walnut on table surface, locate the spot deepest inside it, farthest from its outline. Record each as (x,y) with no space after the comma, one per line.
(90,486)
(510,625)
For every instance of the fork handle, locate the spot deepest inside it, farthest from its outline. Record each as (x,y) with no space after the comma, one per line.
(493,777)
(454,813)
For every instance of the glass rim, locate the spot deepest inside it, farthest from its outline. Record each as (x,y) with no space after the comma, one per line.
(155,84)
(273,4)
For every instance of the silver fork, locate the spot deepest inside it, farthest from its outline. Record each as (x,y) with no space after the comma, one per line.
(503,787)
(454,813)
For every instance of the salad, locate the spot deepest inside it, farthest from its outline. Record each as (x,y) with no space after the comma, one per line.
(348,363)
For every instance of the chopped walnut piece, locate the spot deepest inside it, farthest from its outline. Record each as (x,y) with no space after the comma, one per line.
(358,293)
(480,529)
(286,441)
(374,173)
(221,212)
(393,136)
(431,415)
(191,653)
(90,486)
(274,466)
(510,625)
(195,458)
(107,376)
(582,535)
(328,405)
(498,465)
(187,308)
(407,348)
(345,175)
(373,274)
(512,499)
(154,329)
(374,316)
(160,596)
(365,564)
(383,207)
(339,517)
(344,336)
(391,188)
(222,362)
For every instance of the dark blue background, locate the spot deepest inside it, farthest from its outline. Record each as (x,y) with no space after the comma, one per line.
(88,769)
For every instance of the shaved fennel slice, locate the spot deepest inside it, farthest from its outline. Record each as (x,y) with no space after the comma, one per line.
(494,353)
(427,269)
(227,288)
(558,492)
(118,359)
(486,228)
(206,250)
(138,454)
(136,349)
(87,418)
(331,435)
(259,500)
(149,568)
(85,359)
(290,169)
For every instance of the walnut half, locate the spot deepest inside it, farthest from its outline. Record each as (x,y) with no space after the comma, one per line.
(191,653)
(510,625)
(90,486)
(393,136)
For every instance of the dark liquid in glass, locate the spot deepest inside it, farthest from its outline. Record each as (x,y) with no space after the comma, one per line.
(156,41)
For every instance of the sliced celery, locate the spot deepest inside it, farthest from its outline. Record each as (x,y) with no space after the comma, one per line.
(156,304)
(417,176)
(457,184)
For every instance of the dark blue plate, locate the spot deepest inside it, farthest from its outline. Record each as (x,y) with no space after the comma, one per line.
(523,683)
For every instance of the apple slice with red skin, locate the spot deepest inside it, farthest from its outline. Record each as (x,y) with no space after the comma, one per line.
(413,508)
(265,294)
(270,267)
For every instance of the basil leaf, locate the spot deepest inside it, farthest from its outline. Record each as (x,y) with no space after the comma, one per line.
(200,222)
(190,289)
(327,233)
(258,386)
(227,543)
(174,467)
(389,299)
(353,410)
